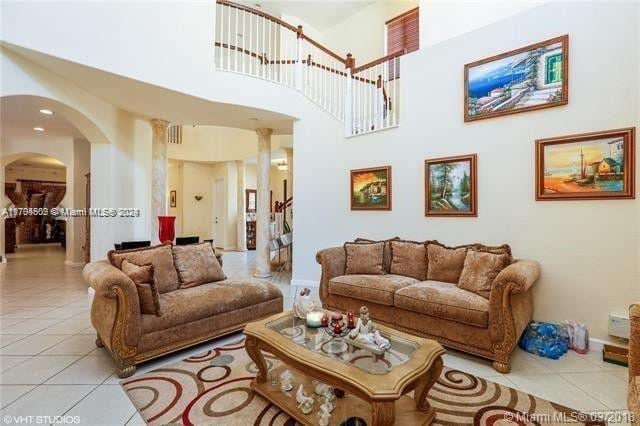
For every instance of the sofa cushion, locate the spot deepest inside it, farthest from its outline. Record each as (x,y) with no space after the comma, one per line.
(142,277)
(480,269)
(444,300)
(196,264)
(503,249)
(386,258)
(445,263)
(185,305)
(364,258)
(164,273)
(409,258)
(373,288)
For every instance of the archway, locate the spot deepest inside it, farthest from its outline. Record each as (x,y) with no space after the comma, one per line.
(38,142)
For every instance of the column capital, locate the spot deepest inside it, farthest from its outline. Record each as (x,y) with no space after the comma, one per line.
(264,133)
(157,123)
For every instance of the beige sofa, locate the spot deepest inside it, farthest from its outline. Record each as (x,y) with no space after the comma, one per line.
(488,326)
(634,362)
(188,316)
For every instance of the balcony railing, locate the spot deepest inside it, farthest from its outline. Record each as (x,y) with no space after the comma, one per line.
(252,42)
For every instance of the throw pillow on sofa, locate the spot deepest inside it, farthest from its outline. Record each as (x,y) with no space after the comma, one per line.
(142,276)
(386,260)
(409,259)
(364,258)
(503,249)
(480,269)
(164,273)
(445,263)
(197,264)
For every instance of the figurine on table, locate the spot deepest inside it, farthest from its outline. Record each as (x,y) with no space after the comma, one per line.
(303,304)
(366,333)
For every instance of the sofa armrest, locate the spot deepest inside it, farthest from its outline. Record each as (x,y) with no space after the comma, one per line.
(634,340)
(115,311)
(333,262)
(511,304)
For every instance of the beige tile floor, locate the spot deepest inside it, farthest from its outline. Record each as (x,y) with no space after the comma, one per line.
(49,364)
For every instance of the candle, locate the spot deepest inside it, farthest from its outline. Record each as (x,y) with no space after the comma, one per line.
(324,320)
(351,323)
(314,319)
(337,328)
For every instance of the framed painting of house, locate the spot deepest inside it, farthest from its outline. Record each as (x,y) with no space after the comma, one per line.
(588,166)
(450,186)
(529,78)
(371,188)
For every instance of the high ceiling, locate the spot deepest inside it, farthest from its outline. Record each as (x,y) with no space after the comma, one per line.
(319,14)
(20,114)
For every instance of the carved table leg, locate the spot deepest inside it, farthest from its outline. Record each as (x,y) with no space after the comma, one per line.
(425,383)
(254,352)
(384,413)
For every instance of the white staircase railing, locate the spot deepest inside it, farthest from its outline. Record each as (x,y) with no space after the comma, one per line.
(249,41)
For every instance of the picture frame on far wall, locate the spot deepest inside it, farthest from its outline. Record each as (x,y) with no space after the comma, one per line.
(451,186)
(587,166)
(530,78)
(172,199)
(371,188)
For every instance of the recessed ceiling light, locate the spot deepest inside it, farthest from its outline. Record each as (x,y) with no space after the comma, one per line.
(38,129)
(253,119)
(46,111)
(258,5)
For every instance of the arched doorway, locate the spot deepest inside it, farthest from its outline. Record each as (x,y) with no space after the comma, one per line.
(45,162)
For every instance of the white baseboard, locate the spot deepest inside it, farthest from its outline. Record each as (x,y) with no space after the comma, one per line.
(74,264)
(305,283)
(91,291)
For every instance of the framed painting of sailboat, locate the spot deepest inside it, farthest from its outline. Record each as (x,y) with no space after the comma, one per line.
(588,166)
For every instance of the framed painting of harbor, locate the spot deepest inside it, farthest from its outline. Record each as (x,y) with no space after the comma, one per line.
(371,188)
(598,165)
(450,186)
(529,78)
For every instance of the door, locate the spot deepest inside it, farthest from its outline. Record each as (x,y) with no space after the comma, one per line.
(219,201)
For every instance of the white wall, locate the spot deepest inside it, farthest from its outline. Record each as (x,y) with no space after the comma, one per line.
(445,19)
(217,143)
(584,277)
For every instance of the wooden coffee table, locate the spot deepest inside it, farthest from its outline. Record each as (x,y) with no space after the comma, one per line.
(375,385)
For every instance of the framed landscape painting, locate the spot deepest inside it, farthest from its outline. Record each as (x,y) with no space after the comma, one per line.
(450,186)
(371,188)
(598,165)
(529,78)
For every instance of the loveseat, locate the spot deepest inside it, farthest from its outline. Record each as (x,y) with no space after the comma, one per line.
(634,362)
(416,287)
(155,300)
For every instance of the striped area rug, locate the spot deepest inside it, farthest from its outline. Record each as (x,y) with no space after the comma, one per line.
(213,389)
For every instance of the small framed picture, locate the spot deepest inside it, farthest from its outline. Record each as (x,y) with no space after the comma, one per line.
(588,166)
(371,188)
(525,79)
(450,186)
(172,199)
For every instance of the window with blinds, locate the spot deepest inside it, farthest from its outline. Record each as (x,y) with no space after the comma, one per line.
(402,35)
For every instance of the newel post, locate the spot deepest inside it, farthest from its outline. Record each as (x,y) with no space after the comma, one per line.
(299,50)
(350,64)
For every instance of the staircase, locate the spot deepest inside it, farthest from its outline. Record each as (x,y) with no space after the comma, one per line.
(251,42)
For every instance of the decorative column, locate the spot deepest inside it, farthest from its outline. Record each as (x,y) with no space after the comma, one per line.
(158,174)
(241,223)
(263,235)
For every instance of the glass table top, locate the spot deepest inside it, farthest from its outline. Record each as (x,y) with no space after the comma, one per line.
(343,348)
